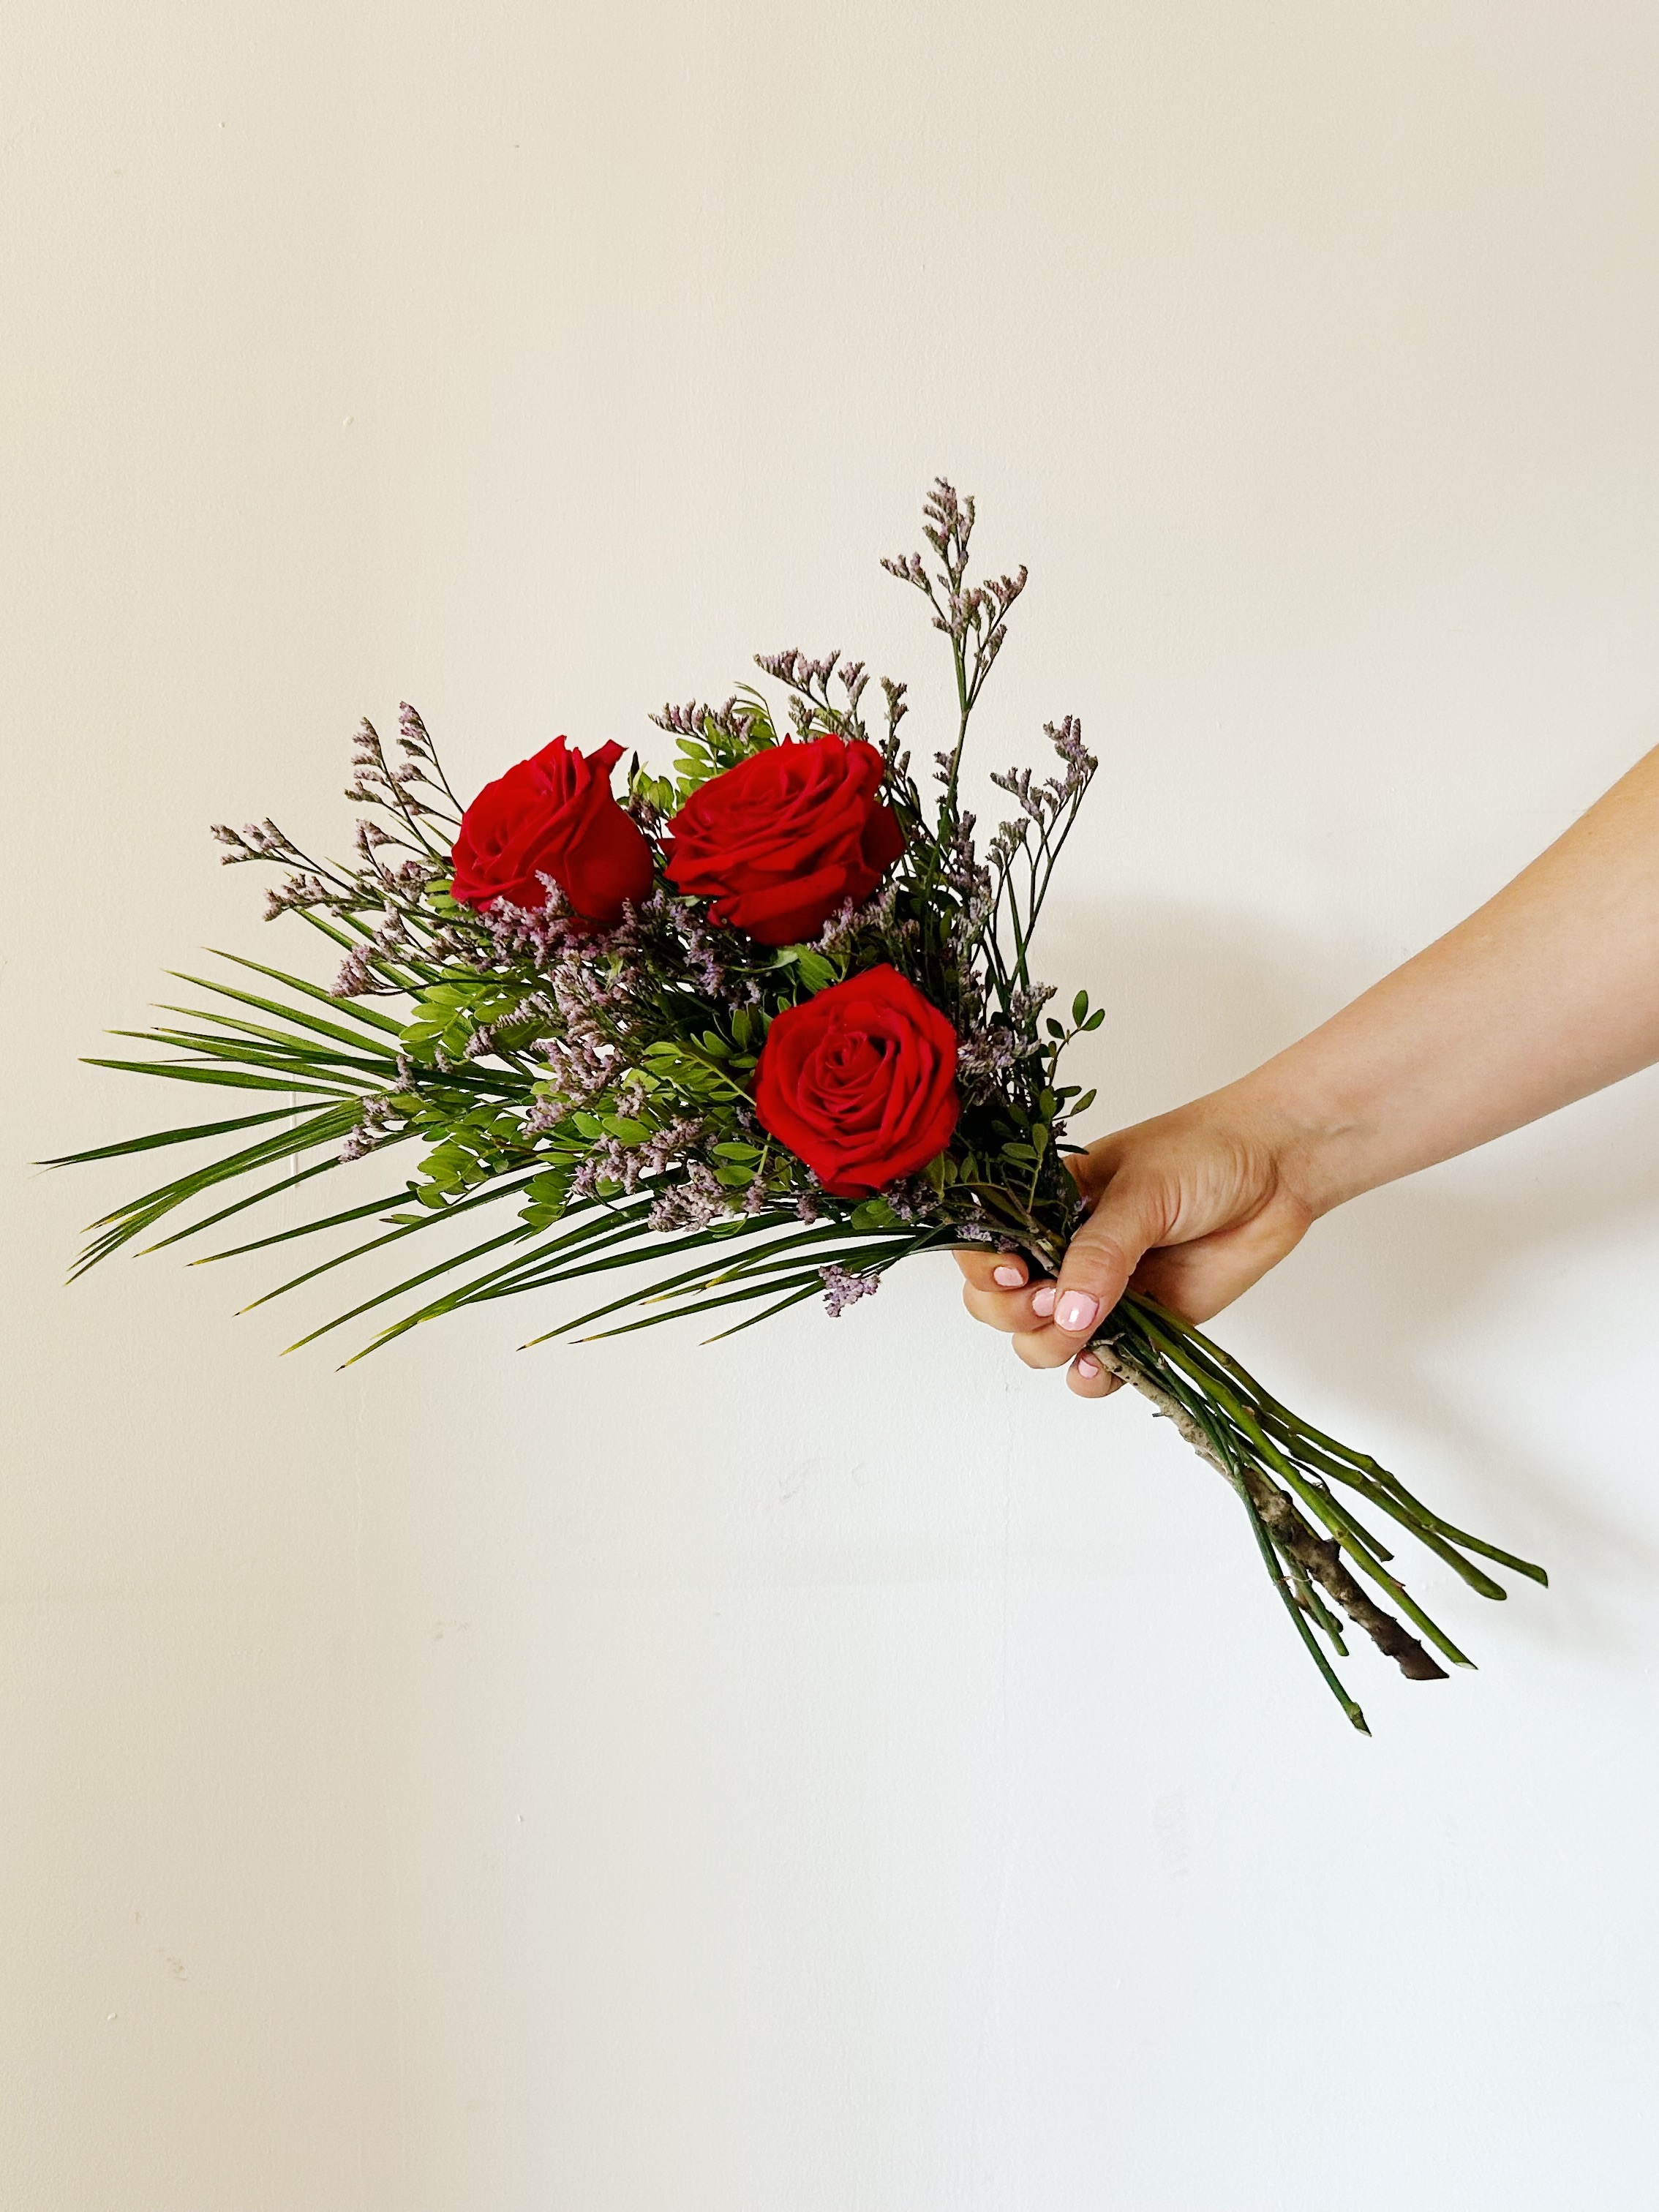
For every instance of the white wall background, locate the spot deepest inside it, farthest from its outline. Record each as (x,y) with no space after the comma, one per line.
(838,1772)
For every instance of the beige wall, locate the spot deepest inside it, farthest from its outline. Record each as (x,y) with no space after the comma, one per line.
(837,1771)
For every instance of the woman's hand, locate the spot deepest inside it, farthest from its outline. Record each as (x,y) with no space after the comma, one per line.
(1192,1208)
(1547,992)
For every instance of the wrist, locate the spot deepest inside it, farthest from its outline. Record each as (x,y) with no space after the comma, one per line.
(1322,1145)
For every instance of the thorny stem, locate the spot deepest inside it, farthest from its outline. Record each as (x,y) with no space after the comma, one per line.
(1215,1421)
(1316,1556)
(1345,1530)
(1285,1528)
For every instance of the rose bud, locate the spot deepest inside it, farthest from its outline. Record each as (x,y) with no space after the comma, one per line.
(779,842)
(860,1082)
(553,815)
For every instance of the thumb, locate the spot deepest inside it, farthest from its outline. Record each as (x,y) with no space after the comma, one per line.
(1131,1215)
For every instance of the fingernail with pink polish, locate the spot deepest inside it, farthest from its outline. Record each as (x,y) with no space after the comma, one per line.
(1076,1312)
(1009,1278)
(1087,1366)
(1042,1301)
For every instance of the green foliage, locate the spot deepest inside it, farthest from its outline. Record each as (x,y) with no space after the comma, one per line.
(450,1015)
(718,741)
(815,972)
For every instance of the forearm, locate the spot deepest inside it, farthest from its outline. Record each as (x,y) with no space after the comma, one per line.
(1547,992)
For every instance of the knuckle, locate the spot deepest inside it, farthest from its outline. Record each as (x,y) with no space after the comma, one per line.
(1040,1350)
(1096,1258)
(997,1309)
(1099,1385)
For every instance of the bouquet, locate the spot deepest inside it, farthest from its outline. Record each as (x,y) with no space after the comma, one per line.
(768,1024)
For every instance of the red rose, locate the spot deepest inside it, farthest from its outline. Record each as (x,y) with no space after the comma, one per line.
(553,815)
(860,1082)
(780,840)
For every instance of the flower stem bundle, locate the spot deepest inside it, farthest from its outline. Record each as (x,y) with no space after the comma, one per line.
(767,1023)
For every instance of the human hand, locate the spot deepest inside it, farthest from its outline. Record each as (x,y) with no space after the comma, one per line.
(1192,1208)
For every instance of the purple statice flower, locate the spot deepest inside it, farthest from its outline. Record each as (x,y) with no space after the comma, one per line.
(606,1160)
(355,979)
(985,1053)
(1024,1007)
(842,1289)
(703,960)
(736,719)
(376,1122)
(911,1197)
(1067,741)
(304,890)
(695,1202)
(1044,803)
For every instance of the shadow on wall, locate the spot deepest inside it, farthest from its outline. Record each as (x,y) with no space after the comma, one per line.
(1382,1295)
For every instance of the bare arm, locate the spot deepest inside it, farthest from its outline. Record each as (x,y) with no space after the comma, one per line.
(1550,991)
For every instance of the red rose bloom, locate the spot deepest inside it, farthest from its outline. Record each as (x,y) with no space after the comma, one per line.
(780,840)
(553,815)
(860,1082)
